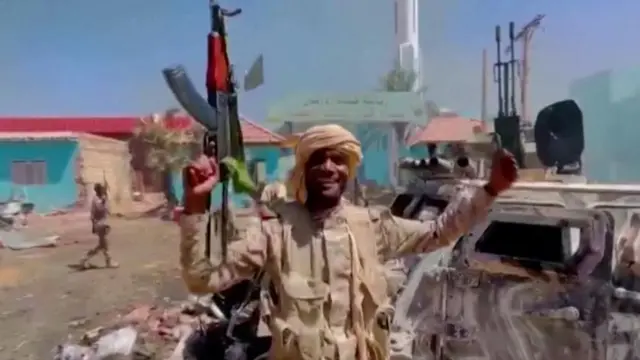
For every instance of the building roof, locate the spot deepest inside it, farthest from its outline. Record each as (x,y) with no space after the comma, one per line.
(50,135)
(38,135)
(447,129)
(101,125)
(252,132)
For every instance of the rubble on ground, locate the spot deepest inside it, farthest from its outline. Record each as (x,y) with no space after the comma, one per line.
(16,240)
(145,333)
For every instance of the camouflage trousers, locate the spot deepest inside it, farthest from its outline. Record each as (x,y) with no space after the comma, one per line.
(193,239)
(101,229)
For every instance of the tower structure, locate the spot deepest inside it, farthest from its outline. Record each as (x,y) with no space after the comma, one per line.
(407,37)
(408,56)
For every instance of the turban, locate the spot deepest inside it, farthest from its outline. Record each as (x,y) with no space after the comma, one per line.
(321,137)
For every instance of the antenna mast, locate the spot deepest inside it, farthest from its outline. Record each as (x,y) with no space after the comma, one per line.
(525,35)
(507,123)
(512,64)
(497,74)
(484,86)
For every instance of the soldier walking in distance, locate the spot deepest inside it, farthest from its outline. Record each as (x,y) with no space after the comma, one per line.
(324,257)
(100,227)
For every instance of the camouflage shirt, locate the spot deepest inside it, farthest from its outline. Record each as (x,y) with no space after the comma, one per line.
(99,210)
(333,265)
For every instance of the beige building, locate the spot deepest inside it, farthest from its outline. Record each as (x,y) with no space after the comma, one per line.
(57,170)
(104,160)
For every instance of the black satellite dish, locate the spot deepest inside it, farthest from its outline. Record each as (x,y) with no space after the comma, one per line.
(559,136)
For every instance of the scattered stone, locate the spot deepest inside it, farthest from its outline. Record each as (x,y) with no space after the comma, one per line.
(202,305)
(178,352)
(171,317)
(144,353)
(138,315)
(165,331)
(186,319)
(73,352)
(119,342)
(144,333)
(92,335)
(78,323)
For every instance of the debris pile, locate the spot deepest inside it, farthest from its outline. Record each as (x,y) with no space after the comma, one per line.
(145,333)
(15,216)
(16,240)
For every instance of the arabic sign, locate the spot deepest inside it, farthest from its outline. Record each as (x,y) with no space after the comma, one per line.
(364,107)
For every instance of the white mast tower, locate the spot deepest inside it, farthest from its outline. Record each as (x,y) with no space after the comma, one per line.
(406,23)
(407,37)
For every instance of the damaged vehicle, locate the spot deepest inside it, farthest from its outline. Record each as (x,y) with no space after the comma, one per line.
(536,280)
(551,273)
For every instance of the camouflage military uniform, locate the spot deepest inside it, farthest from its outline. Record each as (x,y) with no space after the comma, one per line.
(193,230)
(327,273)
(100,227)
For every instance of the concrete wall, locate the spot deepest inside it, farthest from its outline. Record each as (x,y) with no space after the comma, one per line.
(610,102)
(105,159)
(59,155)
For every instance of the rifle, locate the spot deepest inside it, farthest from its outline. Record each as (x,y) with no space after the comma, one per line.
(219,112)
(105,184)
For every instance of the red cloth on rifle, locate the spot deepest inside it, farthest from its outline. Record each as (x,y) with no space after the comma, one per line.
(217,64)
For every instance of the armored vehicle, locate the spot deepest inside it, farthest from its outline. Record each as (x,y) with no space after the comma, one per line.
(551,273)
(538,279)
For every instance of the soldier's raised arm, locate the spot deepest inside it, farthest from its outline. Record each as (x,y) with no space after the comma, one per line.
(399,236)
(245,257)
(404,236)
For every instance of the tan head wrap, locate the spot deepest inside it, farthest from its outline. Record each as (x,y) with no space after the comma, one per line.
(321,137)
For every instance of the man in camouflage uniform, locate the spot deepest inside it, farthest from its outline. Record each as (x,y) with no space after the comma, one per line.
(324,257)
(100,227)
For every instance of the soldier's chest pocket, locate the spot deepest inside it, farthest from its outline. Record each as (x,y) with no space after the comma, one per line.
(304,255)
(307,297)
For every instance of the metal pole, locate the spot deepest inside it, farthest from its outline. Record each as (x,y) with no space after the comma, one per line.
(526,34)
(484,86)
(512,64)
(223,132)
(524,78)
(497,74)
(505,70)
(224,218)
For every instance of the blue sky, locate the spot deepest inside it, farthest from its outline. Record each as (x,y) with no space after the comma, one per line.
(88,57)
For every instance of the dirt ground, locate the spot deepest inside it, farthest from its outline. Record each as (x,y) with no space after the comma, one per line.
(43,300)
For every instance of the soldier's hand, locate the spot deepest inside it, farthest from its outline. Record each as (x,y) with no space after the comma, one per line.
(504,171)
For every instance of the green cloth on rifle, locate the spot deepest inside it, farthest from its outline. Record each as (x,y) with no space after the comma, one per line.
(239,175)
